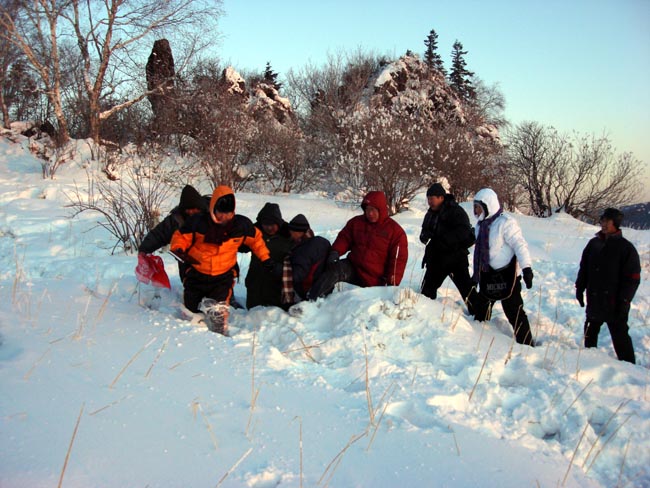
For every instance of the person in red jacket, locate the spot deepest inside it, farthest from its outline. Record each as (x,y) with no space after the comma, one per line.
(377,246)
(208,243)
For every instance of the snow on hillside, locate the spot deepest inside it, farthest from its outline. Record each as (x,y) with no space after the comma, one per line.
(103,384)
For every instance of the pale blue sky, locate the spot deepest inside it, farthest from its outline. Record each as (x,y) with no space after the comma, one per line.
(579,65)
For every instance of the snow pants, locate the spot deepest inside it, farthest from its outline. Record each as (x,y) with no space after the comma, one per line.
(459,274)
(618,329)
(513,307)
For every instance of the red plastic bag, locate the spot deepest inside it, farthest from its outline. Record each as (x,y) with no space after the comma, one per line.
(151,271)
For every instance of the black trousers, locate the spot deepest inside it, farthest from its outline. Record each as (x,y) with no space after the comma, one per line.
(618,329)
(198,286)
(459,274)
(513,307)
(341,270)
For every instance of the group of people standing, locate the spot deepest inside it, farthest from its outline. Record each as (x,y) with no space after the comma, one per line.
(290,264)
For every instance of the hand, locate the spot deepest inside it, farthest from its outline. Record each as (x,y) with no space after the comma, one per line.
(580,296)
(333,257)
(269,265)
(528,277)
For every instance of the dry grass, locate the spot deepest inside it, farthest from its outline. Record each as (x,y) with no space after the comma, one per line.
(133,358)
(481,372)
(576,398)
(234,466)
(573,456)
(613,434)
(305,348)
(255,391)
(334,463)
(67,456)
(455,439)
(155,360)
(196,407)
(112,404)
(27,375)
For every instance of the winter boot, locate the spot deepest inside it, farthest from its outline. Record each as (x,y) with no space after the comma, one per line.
(216,314)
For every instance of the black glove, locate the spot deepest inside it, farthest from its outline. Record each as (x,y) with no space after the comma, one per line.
(528,277)
(333,257)
(580,296)
(269,265)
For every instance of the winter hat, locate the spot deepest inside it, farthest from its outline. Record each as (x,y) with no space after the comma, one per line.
(190,198)
(299,223)
(223,200)
(270,214)
(436,190)
(614,215)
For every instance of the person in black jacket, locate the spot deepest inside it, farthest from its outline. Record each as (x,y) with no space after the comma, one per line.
(447,234)
(262,287)
(191,203)
(610,272)
(306,262)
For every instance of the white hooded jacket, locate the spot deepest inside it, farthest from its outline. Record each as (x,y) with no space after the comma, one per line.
(506,239)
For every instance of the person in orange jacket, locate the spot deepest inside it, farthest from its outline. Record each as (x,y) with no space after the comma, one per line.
(208,243)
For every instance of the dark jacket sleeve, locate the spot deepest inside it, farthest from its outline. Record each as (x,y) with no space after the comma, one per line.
(583,270)
(630,274)
(427,232)
(160,235)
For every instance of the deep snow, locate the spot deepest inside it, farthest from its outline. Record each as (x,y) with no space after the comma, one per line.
(104,385)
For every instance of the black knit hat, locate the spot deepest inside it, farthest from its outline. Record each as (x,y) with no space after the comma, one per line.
(436,190)
(299,223)
(190,198)
(614,215)
(270,214)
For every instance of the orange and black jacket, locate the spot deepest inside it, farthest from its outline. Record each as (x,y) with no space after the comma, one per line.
(213,248)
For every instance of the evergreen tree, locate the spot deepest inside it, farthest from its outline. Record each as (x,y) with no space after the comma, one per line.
(431,57)
(460,78)
(271,77)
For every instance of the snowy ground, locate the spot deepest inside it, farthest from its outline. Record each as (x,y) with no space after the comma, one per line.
(103,385)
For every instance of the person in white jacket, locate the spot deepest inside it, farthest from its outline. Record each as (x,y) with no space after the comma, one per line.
(499,254)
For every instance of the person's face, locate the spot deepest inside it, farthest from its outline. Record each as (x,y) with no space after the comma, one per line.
(607,226)
(371,213)
(192,211)
(296,236)
(435,202)
(478,210)
(270,229)
(222,217)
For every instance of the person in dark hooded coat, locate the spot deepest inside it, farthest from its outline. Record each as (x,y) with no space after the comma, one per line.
(610,273)
(262,287)
(305,263)
(377,246)
(448,235)
(191,203)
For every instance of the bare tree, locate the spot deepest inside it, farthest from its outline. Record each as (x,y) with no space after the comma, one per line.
(387,152)
(108,36)
(280,154)
(579,174)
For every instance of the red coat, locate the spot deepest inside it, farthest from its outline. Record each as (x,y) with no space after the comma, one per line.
(378,251)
